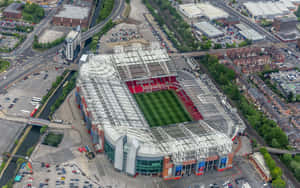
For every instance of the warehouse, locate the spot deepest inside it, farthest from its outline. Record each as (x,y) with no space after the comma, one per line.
(249,33)
(268,10)
(104,93)
(208,30)
(198,10)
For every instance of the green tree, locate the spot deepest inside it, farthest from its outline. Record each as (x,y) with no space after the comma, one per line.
(276,173)
(297,13)
(287,158)
(275,143)
(278,183)
(297,173)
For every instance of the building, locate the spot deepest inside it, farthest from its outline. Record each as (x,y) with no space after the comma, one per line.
(72,44)
(259,162)
(268,9)
(255,59)
(287,28)
(231,21)
(198,10)
(249,33)
(72,16)
(13,11)
(208,30)
(104,93)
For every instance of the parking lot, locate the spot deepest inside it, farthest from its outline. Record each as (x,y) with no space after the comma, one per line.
(9,134)
(8,42)
(125,34)
(48,175)
(17,101)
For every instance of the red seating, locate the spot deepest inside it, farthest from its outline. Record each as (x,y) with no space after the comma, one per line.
(163,83)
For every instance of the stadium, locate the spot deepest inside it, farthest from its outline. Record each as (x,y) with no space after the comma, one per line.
(152,119)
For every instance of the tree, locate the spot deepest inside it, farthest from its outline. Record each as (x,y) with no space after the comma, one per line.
(297,173)
(278,183)
(275,143)
(43,129)
(217,46)
(276,173)
(287,158)
(290,97)
(297,13)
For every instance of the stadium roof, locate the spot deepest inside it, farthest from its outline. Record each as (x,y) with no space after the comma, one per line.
(114,110)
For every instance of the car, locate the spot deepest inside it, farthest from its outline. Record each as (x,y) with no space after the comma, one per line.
(10,106)
(7,98)
(15,100)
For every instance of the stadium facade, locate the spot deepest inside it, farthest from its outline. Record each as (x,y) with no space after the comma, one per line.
(104,93)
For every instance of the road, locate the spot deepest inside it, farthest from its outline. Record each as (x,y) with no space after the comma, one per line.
(116,12)
(246,21)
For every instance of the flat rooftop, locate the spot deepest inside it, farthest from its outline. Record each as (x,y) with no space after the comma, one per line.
(268,9)
(208,29)
(14,8)
(73,12)
(192,10)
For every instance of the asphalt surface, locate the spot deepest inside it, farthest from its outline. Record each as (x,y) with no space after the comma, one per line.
(117,10)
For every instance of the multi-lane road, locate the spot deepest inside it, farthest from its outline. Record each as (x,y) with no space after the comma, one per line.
(30,60)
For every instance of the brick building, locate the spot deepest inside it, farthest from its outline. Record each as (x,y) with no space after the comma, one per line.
(255,59)
(13,11)
(72,16)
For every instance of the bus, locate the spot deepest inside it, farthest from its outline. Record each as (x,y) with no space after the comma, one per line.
(36,99)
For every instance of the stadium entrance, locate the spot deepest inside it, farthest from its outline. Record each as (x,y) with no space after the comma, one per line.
(188,169)
(211,165)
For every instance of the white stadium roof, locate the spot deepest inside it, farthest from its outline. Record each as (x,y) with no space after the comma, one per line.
(114,110)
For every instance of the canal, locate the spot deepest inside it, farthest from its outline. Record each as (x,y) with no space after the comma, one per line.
(32,138)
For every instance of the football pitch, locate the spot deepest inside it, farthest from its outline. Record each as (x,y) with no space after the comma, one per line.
(162,108)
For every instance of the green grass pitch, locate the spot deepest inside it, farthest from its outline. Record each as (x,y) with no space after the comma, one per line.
(162,108)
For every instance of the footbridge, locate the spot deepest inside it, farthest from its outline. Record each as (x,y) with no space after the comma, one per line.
(34,121)
(280,151)
(223,51)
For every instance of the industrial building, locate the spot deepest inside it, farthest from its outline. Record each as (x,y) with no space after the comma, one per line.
(249,33)
(287,28)
(208,30)
(198,10)
(269,9)
(13,11)
(72,44)
(104,93)
(73,15)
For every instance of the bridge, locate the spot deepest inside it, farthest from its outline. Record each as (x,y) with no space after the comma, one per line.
(116,12)
(280,151)
(223,51)
(34,121)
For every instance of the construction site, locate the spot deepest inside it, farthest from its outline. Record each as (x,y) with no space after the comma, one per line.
(120,127)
